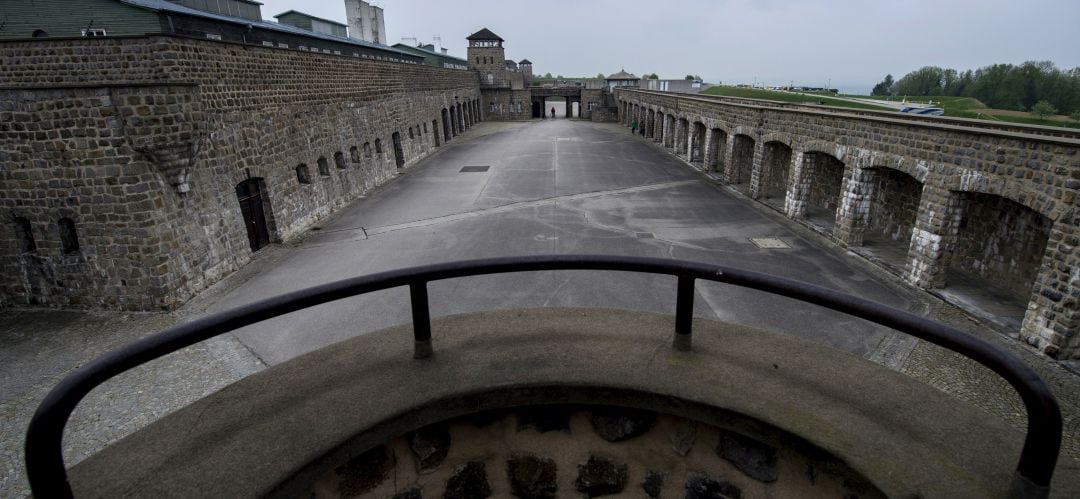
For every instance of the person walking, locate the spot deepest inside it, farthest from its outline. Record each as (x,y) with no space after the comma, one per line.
(552,112)
(633,126)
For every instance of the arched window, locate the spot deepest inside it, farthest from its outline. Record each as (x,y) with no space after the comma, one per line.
(425,128)
(303,175)
(324,167)
(354,154)
(367,149)
(69,240)
(410,133)
(339,160)
(378,146)
(25,235)
(490,79)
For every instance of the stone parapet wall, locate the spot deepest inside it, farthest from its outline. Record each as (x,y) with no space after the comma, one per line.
(141,143)
(947,161)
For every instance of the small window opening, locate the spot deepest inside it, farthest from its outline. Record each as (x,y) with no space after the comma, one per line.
(303,175)
(339,160)
(92,32)
(411,133)
(378,146)
(25,235)
(367,149)
(324,167)
(40,33)
(69,240)
(354,154)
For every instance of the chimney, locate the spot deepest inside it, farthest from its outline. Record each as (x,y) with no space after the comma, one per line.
(445,51)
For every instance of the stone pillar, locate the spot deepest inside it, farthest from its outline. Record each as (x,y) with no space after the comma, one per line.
(798,192)
(727,160)
(854,213)
(934,236)
(709,160)
(688,142)
(681,139)
(461,119)
(669,131)
(757,169)
(1052,321)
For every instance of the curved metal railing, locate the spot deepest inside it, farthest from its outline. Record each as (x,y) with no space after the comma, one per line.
(45,463)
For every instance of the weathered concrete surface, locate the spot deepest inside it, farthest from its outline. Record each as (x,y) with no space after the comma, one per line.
(556,187)
(906,438)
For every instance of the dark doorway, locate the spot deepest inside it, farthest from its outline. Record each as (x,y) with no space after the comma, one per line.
(446,124)
(250,195)
(435,132)
(537,109)
(399,153)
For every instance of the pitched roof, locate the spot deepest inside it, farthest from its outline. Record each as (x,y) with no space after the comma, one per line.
(297,12)
(622,75)
(484,34)
(162,5)
(525,61)
(421,51)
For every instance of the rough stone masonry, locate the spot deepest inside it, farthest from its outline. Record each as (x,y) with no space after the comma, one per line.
(958,197)
(126,161)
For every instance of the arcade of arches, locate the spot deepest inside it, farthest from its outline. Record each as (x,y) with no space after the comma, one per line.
(988,216)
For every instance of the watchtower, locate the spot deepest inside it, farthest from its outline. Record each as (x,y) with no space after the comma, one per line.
(486,56)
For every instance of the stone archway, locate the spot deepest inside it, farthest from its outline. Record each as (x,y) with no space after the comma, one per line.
(775,175)
(696,147)
(742,162)
(818,189)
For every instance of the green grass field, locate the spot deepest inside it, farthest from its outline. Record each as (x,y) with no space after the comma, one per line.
(968,107)
(757,93)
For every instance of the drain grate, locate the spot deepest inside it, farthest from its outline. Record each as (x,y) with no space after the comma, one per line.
(769,243)
(472,169)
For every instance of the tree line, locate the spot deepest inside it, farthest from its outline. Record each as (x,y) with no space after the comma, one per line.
(1000,86)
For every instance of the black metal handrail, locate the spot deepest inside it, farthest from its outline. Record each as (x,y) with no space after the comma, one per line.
(45,463)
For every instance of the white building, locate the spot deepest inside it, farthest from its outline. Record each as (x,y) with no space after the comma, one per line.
(365,21)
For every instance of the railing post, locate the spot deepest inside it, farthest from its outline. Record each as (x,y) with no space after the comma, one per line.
(684,313)
(421,316)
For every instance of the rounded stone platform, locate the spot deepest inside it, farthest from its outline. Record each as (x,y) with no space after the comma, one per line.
(281,431)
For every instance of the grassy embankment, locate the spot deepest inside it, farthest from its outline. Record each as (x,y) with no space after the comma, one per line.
(968,107)
(757,93)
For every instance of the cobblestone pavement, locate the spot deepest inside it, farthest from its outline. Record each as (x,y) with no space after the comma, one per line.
(977,385)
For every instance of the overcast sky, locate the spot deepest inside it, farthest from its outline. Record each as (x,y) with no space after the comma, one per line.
(852,43)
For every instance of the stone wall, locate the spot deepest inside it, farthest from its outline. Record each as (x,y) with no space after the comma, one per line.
(895,203)
(141,142)
(942,163)
(504,104)
(565,451)
(999,239)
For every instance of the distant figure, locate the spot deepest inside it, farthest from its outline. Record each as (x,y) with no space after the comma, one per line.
(552,112)
(633,126)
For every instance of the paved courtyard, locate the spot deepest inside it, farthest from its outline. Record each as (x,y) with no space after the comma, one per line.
(537,188)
